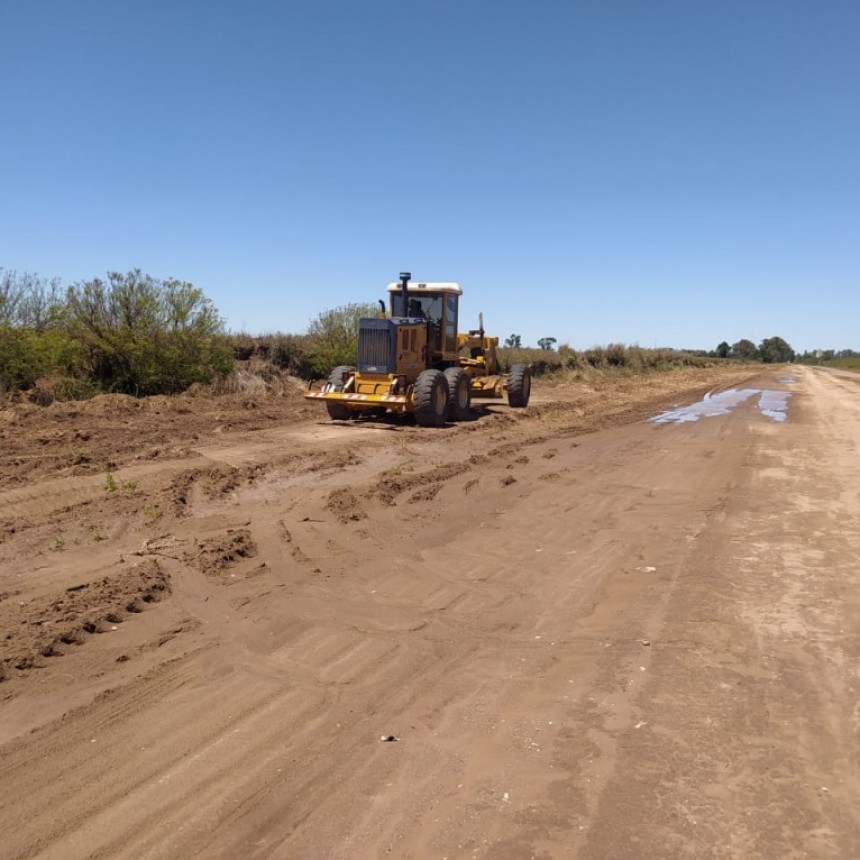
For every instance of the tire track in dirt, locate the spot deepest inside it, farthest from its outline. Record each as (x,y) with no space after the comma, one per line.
(40,630)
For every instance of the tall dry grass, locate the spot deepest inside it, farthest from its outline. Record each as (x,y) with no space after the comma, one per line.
(613,356)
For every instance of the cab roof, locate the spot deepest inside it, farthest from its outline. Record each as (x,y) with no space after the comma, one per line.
(428,287)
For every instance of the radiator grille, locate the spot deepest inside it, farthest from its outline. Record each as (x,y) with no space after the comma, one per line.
(376,346)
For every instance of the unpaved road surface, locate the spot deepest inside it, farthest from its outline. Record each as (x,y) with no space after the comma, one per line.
(586,634)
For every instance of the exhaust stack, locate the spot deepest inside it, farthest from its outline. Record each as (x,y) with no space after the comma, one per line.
(404,288)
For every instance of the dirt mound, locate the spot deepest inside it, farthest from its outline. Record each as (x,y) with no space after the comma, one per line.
(391,486)
(111,430)
(216,555)
(340,458)
(100,405)
(209,482)
(344,504)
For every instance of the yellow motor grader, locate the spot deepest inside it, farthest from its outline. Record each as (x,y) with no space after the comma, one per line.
(411,358)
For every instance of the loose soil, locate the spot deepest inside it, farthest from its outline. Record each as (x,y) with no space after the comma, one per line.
(232,628)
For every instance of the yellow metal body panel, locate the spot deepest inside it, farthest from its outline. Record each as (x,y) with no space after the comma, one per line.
(411,351)
(359,402)
(487,386)
(368,391)
(482,352)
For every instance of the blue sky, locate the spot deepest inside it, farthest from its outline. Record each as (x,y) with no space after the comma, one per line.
(670,172)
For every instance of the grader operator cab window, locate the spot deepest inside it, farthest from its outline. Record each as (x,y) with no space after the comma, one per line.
(451,325)
(420,307)
(430,307)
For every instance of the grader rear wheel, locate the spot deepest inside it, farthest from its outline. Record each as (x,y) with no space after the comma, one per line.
(459,393)
(519,385)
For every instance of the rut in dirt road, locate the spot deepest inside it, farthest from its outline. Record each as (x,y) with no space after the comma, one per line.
(634,642)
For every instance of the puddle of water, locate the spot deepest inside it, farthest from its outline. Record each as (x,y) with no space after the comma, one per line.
(786,380)
(771,404)
(774,404)
(709,406)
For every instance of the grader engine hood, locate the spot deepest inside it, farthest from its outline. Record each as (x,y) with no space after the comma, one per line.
(388,346)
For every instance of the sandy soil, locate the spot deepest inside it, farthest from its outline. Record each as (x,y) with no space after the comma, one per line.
(231,628)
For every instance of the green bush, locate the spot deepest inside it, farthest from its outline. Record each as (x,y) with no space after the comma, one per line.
(243,345)
(132,334)
(20,364)
(292,353)
(333,337)
(616,355)
(540,361)
(26,355)
(139,335)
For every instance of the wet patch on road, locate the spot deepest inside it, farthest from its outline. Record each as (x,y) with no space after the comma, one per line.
(771,404)
(774,404)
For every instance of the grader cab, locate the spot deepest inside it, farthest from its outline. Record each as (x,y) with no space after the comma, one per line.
(413,359)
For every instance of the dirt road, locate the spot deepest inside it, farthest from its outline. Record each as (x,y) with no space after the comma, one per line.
(567,632)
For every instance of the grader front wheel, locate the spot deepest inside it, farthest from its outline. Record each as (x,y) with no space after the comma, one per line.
(337,411)
(431,398)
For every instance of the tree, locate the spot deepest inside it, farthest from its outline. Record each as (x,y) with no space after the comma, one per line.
(723,350)
(546,343)
(745,350)
(11,295)
(515,341)
(32,342)
(140,335)
(774,350)
(29,301)
(334,336)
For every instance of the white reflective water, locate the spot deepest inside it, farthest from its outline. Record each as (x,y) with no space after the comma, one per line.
(710,405)
(774,404)
(771,404)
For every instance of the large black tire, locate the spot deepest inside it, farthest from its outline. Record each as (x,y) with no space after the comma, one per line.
(430,397)
(519,385)
(459,393)
(336,410)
